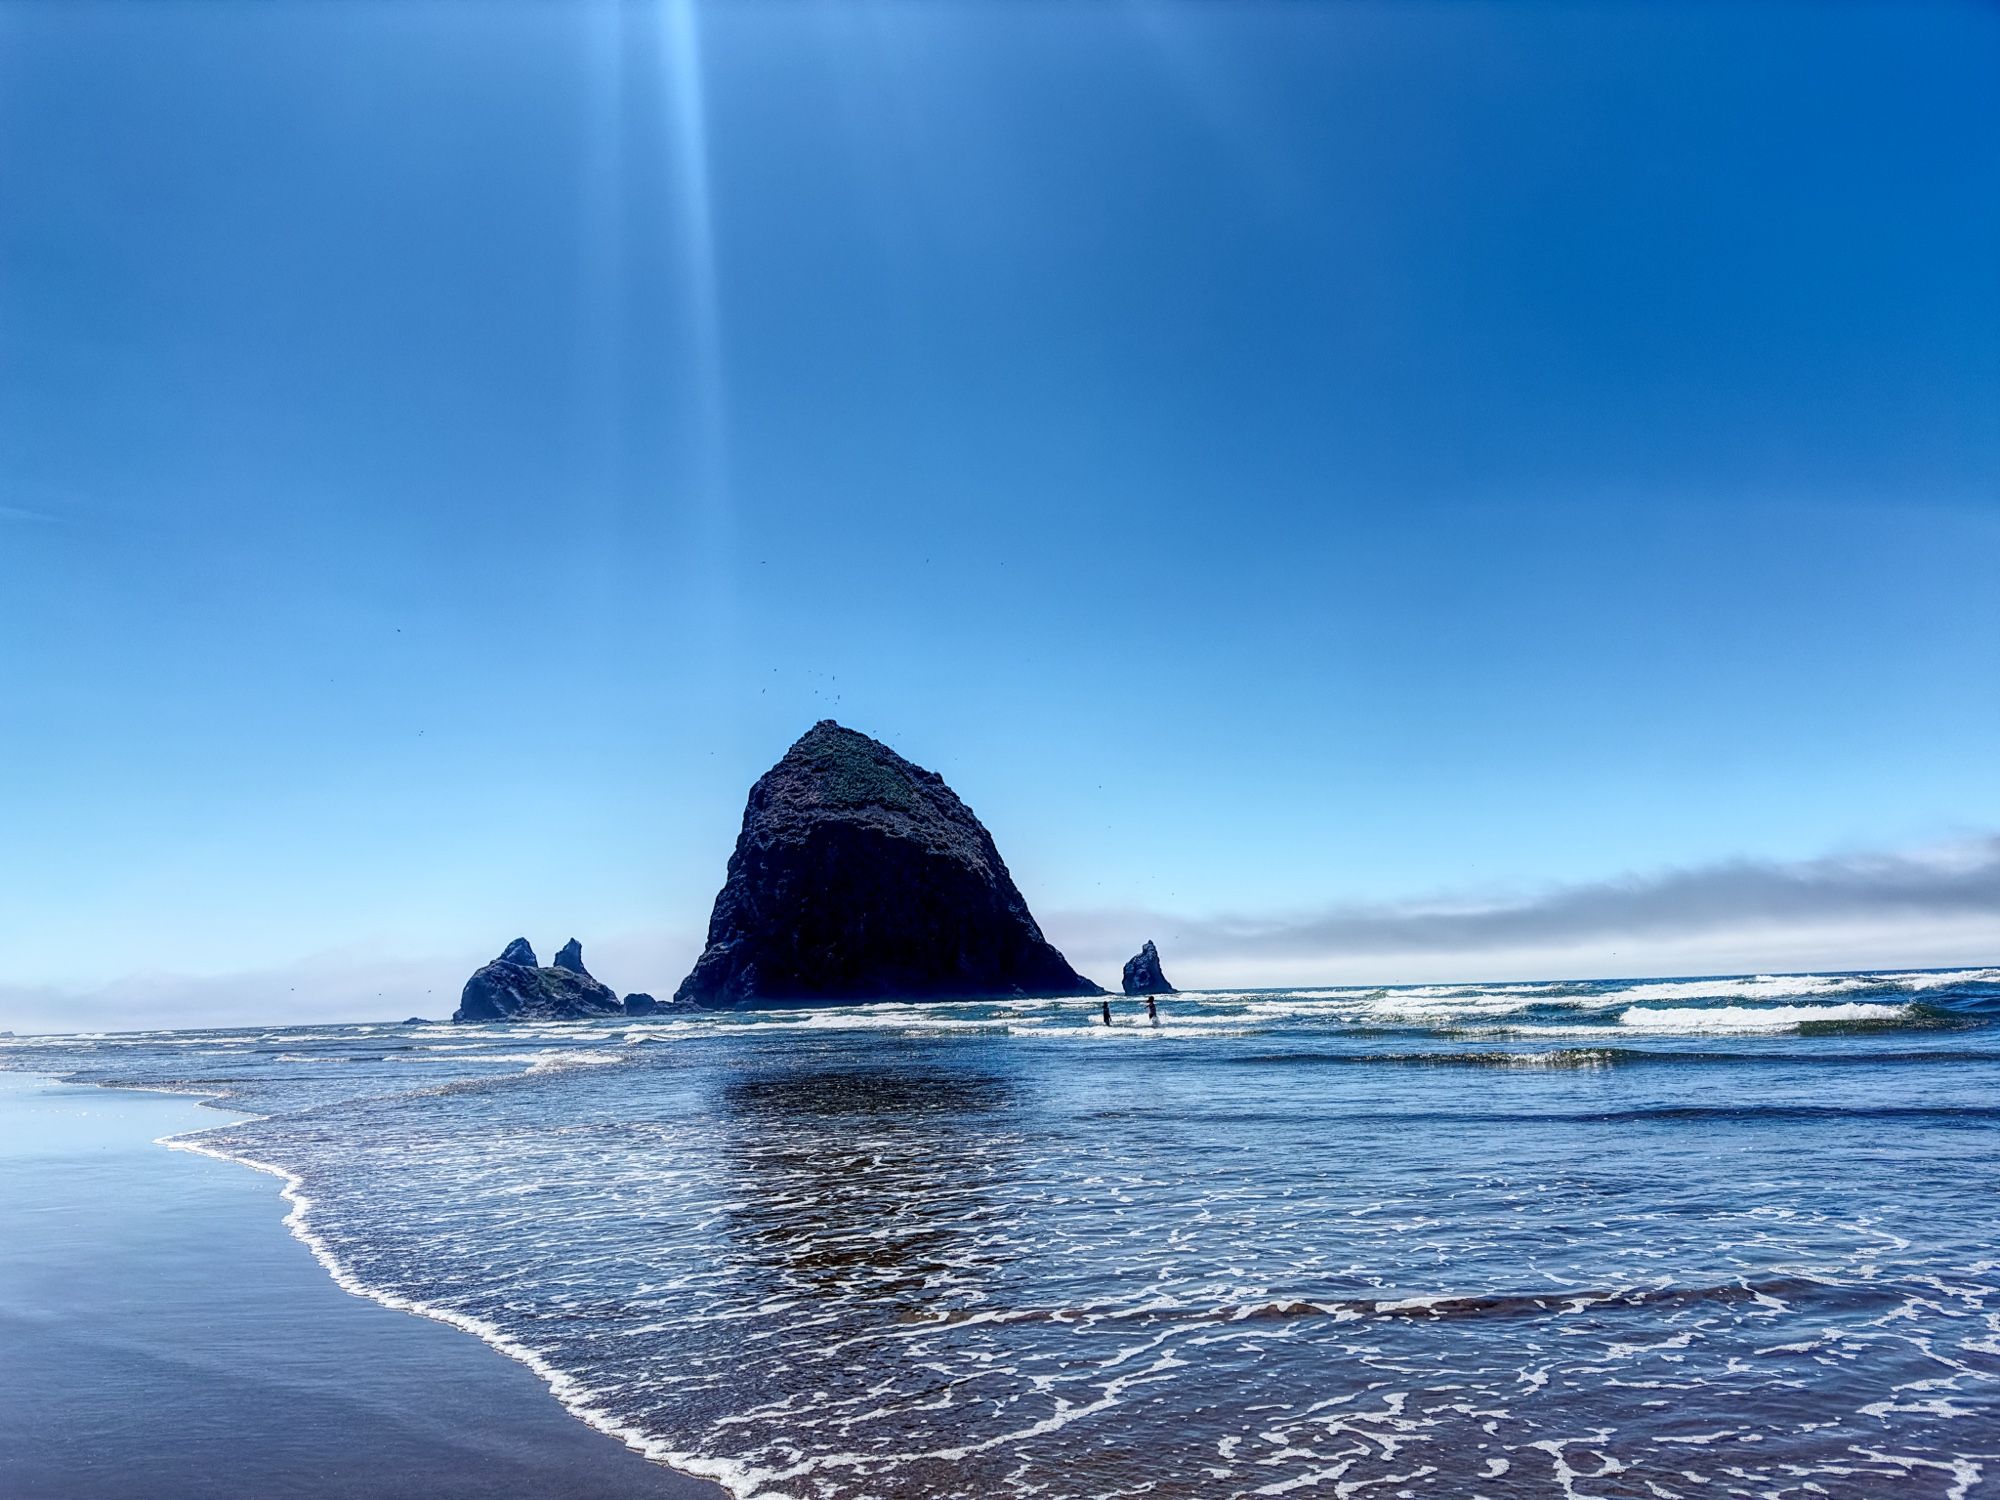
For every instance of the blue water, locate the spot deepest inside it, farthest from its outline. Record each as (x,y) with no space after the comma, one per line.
(1668,1238)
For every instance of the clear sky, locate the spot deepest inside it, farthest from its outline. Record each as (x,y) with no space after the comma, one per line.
(1278,462)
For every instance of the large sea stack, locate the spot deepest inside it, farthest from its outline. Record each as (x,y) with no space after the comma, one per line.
(859,876)
(1142,973)
(514,988)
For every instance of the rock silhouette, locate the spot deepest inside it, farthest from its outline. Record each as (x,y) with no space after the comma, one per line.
(513,988)
(1142,973)
(860,876)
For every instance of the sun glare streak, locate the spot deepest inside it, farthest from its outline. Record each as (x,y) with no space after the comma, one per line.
(694,222)
(601,351)
(1200,75)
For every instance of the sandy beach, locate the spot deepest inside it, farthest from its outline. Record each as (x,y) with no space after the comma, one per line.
(166,1337)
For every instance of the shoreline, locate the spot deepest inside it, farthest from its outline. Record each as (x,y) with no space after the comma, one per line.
(307,1395)
(560,1385)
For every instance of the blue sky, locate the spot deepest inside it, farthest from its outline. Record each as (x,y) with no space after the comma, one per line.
(1272,459)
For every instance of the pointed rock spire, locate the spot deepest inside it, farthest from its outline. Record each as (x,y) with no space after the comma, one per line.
(571,958)
(1142,973)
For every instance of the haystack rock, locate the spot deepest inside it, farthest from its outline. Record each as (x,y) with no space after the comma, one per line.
(514,988)
(859,876)
(1142,973)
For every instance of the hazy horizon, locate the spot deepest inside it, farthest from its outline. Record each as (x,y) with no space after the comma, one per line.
(1362,494)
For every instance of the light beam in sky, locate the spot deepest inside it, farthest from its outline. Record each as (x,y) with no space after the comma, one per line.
(684,95)
(601,349)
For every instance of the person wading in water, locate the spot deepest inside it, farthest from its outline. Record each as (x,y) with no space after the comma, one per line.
(1107,1013)
(1152,1010)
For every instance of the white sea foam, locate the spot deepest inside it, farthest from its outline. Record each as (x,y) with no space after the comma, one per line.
(1943,980)
(1752,987)
(555,1061)
(1747,1019)
(1129,1029)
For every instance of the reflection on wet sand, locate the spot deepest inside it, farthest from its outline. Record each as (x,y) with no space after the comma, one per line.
(873,1184)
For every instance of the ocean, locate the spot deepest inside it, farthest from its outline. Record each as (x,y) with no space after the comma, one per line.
(1712,1237)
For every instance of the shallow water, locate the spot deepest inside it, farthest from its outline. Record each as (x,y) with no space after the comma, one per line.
(1674,1238)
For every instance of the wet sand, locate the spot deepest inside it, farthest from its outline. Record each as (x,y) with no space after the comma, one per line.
(165,1337)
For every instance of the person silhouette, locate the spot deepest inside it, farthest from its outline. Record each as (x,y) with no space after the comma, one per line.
(1152,1010)
(1107,1013)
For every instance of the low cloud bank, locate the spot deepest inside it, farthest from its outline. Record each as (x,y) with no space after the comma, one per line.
(326,987)
(338,985)
(1918,909)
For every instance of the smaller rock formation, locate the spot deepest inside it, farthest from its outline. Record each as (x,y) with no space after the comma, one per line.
(639,1003)
(1142,973)
(513,988)
(416,1021)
